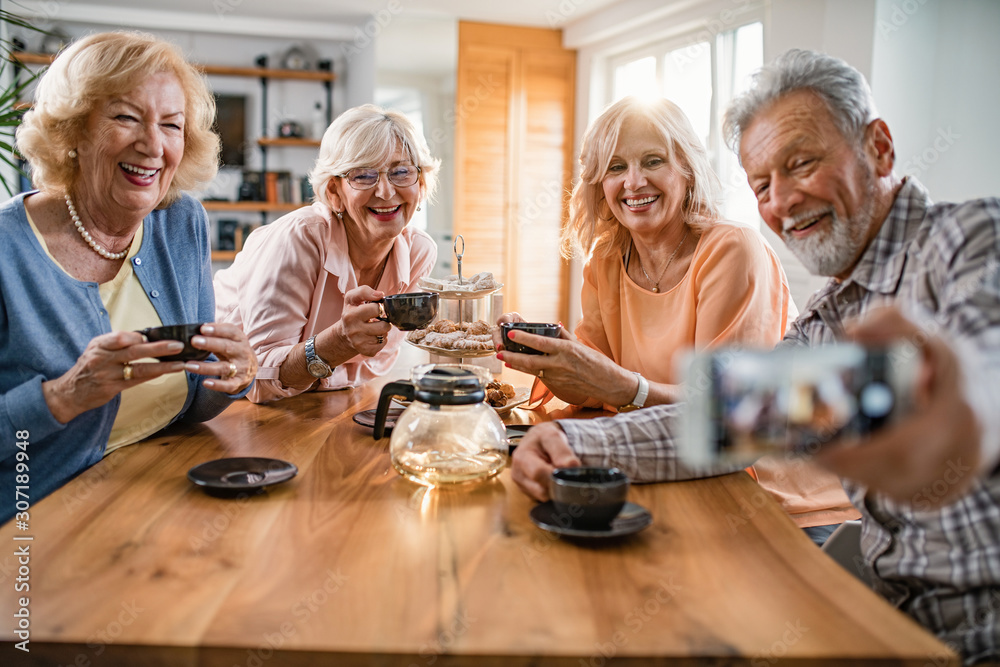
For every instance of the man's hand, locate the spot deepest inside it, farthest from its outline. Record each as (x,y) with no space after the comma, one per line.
(540,451)
(930,457)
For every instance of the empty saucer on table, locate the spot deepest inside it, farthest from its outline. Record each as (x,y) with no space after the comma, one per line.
(245,473)
(631,519)
(367,418)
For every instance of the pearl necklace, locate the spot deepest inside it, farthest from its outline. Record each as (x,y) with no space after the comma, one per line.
(97,247)
(656,283)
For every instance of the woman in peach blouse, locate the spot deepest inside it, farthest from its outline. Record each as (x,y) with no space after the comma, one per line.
(664,275)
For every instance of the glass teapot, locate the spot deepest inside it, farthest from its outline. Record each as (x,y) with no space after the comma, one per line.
(448,434)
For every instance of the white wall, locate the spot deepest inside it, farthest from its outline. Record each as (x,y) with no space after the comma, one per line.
(937,83)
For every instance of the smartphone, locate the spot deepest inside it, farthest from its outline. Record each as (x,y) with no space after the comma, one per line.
(744,404)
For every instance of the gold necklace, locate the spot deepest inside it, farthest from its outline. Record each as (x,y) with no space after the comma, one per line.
(656,283)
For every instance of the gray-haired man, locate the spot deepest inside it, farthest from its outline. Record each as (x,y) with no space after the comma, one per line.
(820,163)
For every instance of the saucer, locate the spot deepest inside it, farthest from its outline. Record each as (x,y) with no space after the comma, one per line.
(233,475)
(367,418)
(631,519)
(515,432)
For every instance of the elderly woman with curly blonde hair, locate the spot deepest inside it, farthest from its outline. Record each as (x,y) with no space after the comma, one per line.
(107,245)
(304,287)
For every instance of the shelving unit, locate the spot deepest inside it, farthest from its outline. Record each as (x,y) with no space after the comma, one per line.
(264,74)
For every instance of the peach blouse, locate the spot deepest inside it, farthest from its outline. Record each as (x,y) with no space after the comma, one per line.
(735,293)
(288,283)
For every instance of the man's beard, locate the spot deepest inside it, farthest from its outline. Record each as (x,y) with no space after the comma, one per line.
(833,252)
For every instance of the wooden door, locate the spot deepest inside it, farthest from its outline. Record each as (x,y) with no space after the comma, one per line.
(514,157)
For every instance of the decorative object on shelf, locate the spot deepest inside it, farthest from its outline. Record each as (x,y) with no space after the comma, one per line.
(318,121)
(295,58)
(226,233)
(252,187)
(55,40)
(291,128)
(261,61)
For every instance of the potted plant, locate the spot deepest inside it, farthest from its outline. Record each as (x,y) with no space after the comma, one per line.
(16,80)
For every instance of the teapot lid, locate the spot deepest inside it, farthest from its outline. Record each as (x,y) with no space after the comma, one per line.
(448,384)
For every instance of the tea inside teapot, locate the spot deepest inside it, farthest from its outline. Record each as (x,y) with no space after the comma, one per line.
(447,434)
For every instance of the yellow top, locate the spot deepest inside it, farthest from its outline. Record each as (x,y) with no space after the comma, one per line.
(148,407)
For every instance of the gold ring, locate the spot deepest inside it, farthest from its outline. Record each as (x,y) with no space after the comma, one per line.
(127,371)
(232,371)
(541,374)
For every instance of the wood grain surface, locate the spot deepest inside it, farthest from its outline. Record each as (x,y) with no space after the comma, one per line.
(350,564)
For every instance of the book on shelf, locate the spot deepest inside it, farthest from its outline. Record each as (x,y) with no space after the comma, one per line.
(278,187)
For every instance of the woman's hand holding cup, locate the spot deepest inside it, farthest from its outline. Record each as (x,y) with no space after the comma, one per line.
(105,369)
(237,364)
(359,330)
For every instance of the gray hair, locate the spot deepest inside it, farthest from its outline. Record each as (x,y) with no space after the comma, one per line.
(841,87)
(366,136)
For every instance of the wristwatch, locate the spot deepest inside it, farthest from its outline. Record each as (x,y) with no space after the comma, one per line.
(640,396)
(316,366)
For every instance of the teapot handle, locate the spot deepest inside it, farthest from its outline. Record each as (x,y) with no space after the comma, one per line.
(403,389)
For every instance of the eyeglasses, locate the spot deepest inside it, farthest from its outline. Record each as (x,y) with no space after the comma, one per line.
(366,178)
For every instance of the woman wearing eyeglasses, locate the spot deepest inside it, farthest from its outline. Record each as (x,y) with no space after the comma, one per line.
(303,286)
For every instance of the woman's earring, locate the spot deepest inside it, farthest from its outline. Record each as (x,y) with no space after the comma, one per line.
(340,215)
(418,207)
(72,153)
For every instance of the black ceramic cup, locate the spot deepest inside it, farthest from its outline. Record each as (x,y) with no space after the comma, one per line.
(588,498)
(413,310)
(182,332)
(538,328)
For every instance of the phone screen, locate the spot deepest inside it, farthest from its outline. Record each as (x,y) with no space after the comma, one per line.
(742,405)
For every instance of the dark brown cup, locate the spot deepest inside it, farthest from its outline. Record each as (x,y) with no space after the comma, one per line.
(590,498)
(182,332)
(409,311)
(538,328)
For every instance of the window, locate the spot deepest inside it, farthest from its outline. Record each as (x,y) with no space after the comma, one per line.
(701,76)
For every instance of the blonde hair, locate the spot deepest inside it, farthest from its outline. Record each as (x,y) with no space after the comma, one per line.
(94,69)
(592,229)
(366,136)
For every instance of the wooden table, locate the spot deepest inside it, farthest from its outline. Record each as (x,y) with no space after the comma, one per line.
(350,564)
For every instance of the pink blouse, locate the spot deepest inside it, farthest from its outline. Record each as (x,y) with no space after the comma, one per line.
(288,283)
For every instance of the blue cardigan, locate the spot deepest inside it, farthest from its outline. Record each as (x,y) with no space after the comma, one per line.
(47,319)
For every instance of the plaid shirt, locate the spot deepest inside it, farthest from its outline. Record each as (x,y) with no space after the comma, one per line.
(938,263)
